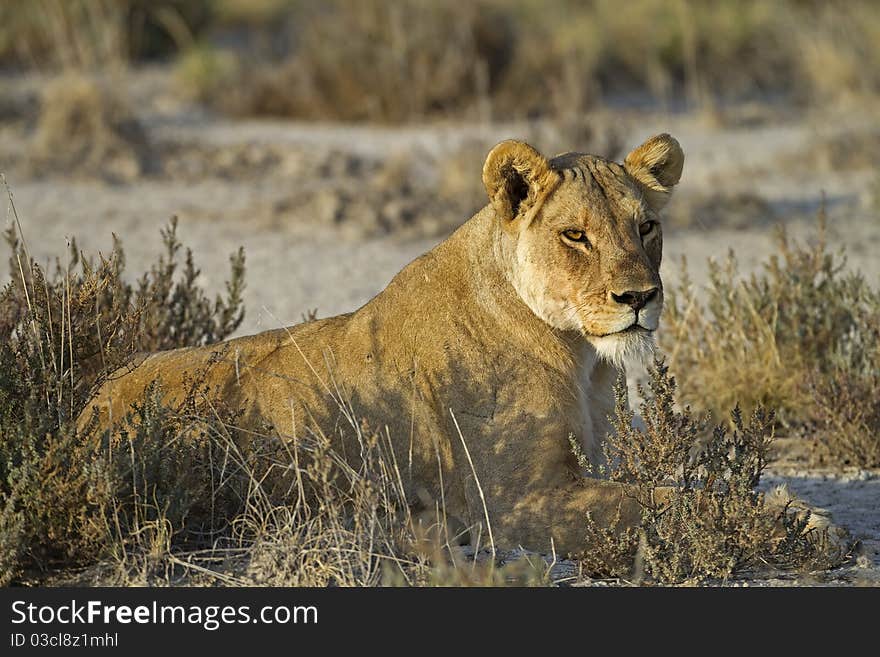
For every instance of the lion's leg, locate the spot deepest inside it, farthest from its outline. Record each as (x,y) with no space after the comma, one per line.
(525,490)
(601,386)
(522,484)
(556,518)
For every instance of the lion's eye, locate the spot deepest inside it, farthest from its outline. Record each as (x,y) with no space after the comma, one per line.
(575,236)
(646,227)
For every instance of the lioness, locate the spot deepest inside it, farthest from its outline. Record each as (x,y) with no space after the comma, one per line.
(482,356)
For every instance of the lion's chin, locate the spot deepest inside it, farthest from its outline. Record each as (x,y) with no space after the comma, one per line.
(633,345)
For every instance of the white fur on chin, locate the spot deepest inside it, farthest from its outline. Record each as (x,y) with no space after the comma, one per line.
(622,348)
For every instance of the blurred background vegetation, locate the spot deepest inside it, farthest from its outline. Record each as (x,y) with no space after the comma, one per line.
(412,60)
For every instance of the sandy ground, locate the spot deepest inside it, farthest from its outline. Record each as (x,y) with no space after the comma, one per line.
(742,177)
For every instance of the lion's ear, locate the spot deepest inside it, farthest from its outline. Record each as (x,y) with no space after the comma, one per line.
(656,165)
(516,176)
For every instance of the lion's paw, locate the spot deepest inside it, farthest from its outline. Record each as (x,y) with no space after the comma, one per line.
(781,499)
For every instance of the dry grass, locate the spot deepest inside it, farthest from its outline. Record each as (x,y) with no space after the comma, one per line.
(840,45)
(64,34)
(95,35)
(85,127)
(387,62)
(801,337)
(415,59)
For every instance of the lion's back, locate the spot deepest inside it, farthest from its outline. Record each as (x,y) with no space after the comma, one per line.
(225,371)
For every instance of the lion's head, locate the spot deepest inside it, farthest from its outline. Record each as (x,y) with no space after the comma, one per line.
(581,240)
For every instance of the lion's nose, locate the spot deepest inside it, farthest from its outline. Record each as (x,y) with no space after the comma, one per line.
(635,299)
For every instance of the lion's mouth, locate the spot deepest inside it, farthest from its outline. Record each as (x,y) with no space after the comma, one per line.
(633,329)
(636,328)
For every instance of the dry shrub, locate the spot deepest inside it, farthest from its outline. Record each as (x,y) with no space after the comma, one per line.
(165,479)
(86,127)
(726,49)
(375,60)
(343,524)
(712,523)
(60,332)
(417,59)
(757,340)
(847,405)
(326,521)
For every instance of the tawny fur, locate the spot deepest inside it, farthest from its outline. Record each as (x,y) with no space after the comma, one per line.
(502,341)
